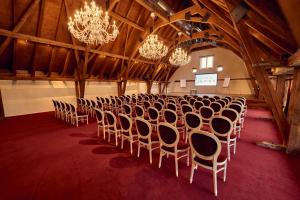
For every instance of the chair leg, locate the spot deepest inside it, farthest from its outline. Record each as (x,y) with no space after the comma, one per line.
(139,146)
(109,136)
(228,151)
(176,164)
(188,158)
(192,172)
(116,137)
(234,147)
(225,171)
(122,141)
(76,121)
(215,182)
(160,158)
(150,154)
(98,131)
(131,146)
(103,130)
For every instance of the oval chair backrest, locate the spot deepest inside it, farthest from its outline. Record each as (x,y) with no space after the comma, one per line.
(143,128)
(223,103)
(139,111)
(184,102)
(225,100)
(119,102)
(206,102)
(205,97)
(63,105)
(216,106)
(206,112)
(146,98)
(73,109)
(171,106)
(100,105)
(93,103)
(199,98)
(133,100)
(192,101)
(168,135)
(158,106)
(107,100)
(238,102)
(216,97)
(241,101)
(99,115)
(212,99)
(230,114)
(161,101)
(126,123)
(221,126)
(113,101)
(127,109)
(146,104)
(198,105)
(172,101)
(68,107)
(192,120)
(170,116)
(236,107)
(153,113)
(204,145)
(111,118)
(186,108)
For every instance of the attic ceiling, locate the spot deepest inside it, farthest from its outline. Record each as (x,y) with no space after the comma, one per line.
(36,44)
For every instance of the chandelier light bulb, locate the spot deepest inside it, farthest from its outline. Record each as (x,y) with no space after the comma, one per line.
(179,57)
(91,26)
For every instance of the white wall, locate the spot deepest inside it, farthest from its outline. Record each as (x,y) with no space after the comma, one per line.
(26,97)
(234,67)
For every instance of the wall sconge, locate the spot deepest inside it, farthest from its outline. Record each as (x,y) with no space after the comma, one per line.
(219,68)
(194,70)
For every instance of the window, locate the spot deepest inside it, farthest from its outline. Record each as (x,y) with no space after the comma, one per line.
(206,62)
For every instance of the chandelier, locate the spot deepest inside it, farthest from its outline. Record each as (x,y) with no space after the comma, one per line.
(152,48)
(91,25)
(179,57)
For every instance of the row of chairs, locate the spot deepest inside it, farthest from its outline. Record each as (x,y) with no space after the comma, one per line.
(68,112)
(137,127)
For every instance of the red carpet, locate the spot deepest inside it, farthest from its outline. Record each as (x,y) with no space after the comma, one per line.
(43,158)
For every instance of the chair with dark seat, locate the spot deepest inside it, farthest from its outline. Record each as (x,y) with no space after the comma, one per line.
(159,107)
(192,122)
(206,102)
(205,97)
(100,105)
(199,98)
(170,145)
(139,111)
(127,131)
(216,107)
(112,127)
(238,108)
(127,110)
(197,105)
(161,101)
(153,117)
(206,113)
(171,117)
(234,117)
(76,116)
(171,106)
(212,99)
(226,101)
(206,149)
(192,101)
(216,97)
(100,121)
(186,108)
(222,127)
(223,103)
(146,137)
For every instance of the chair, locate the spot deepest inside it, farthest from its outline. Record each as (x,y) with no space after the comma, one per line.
(171,117)
(153,117)
(223,103)
(127,132)
(170,145)
(112,126)
(192,101)
(238,108)
(206,113)
(186,108)
(212,99)
(172,106)
(197,105)
(100,121)
(216,107)
(159,107)
(75,117)
(234,117)
(205,150)
(222,127)
(206,102)
(192,122)
(146,138)
(127,110)
(139,111)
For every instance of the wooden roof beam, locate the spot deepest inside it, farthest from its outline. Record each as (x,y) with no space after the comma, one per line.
(19,25)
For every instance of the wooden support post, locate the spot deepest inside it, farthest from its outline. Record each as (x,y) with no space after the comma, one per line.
(280,88)
(80,88)
(1,107)
(149,86)
(159,88)
(294,115)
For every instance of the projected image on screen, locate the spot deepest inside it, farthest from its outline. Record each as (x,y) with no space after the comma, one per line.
(206,79)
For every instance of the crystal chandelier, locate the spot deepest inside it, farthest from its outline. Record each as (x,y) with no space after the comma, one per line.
(91,25)
(152,48)
(179,57)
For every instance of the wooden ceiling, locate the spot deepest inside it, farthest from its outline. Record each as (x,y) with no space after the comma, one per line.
(35,43)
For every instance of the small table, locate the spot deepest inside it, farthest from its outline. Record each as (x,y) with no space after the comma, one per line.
(193,91)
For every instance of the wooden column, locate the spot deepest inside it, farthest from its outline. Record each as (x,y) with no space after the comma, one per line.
(294,115)
(1,107)
(280,88)
(149,86)
(80,88)
(159,88)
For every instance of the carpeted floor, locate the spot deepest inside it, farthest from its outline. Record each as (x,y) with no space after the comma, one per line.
(43,158)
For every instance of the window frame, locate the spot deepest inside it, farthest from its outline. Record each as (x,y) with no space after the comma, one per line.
(206,58)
